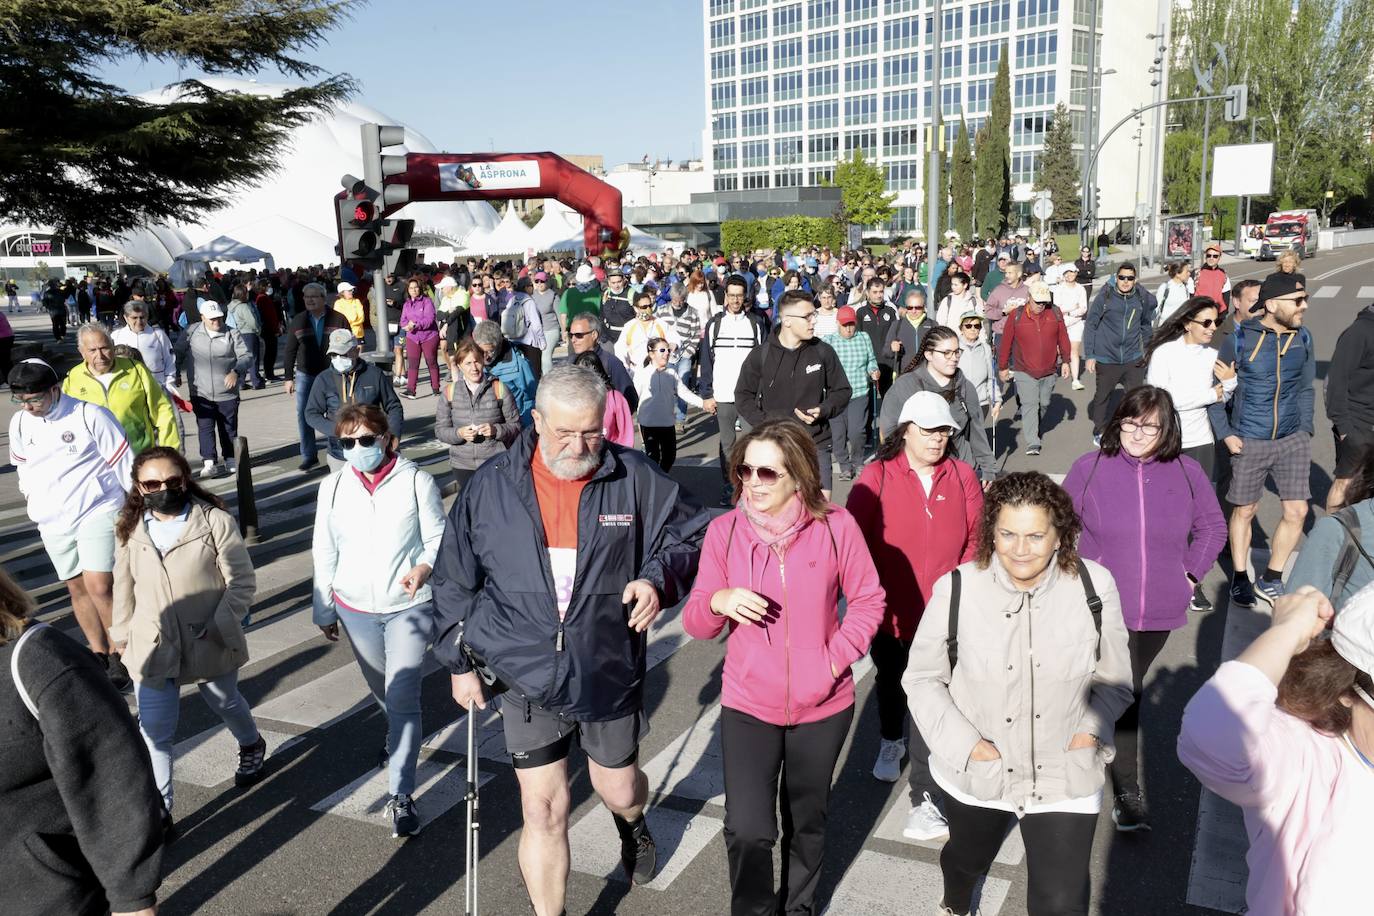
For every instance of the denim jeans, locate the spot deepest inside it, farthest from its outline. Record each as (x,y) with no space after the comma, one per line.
(159,705)
(682,368)
(390,649)
(310,448)
(216,418)
(253,377)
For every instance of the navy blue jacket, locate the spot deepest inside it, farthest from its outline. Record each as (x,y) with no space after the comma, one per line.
(1117,326)
(494,589)
(1275,372)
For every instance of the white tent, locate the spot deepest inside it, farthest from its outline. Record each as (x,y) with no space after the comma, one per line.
(640,242)
(557,224)
(222,249)
(510,237)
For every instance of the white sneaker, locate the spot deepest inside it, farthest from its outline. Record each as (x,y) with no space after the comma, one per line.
(888,766)
(208,468)
(1078,386)
(925,822)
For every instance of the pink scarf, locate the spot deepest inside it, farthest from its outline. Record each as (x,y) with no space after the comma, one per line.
(780,530)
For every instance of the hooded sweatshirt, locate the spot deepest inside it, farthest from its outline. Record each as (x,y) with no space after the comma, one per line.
(775,381)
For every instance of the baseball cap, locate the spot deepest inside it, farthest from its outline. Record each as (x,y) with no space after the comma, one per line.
(1275,286)
(209,308)
(32,376)
(1040,292)
(540,275)
(446,283)
(1213,246)
(345,287)
(341,340)
(928,410)
(584,274)
(845,315)
(1352,632)
(971,313)
(1069,268)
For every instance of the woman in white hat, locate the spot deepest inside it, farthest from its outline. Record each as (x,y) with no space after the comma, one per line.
(1286,732)
(354,310)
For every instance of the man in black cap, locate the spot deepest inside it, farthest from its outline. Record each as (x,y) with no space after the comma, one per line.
(1269,430)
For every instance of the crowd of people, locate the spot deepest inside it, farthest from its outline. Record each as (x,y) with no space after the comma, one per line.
(1012,621)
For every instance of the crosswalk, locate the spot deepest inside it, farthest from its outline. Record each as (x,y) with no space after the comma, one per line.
(1363,294)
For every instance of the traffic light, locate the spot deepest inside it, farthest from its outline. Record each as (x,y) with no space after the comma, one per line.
(397,259)
(377,168)
(1237,101)
(358,222)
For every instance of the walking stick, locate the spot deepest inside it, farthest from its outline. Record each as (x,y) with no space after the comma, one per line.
(474,826)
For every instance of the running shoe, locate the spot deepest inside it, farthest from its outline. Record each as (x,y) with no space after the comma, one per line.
(1269,590)
(1129,813)
(1033,451)
(638,853)
(1078,386)
(404,821)
(925,822)
(252,761)
(888,766)
(1199,601)
(1242,593)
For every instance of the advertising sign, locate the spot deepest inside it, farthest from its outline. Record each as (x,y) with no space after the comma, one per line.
(488,176)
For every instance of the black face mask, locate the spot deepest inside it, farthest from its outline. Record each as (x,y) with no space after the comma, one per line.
(169,500)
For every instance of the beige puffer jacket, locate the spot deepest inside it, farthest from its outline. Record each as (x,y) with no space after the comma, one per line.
(1027,680)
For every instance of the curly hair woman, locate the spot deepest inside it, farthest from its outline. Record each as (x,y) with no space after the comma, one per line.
(1017,675)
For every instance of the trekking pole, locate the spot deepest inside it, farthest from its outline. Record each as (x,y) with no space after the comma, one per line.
(470,867)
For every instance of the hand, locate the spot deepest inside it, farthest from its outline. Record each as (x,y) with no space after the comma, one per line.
(1091,366)
(875,375)
(231,381)
(331,632)
(740,605)
(984,751)
(1082,740)
(414,580)
(289,386)
(467,690)
(1224,371)
(996,409)
(646,604)
(1304,614)
(1221,392)
(486,430)
(1005,375)
(1234,443)
(807,416)
(896,346)
(1064,370)
(709,405)
(146,911)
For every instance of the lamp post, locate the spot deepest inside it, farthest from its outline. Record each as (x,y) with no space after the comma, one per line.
(1160,84)
(1090,169)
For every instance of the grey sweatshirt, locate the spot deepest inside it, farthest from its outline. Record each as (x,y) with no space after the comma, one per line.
(212,357)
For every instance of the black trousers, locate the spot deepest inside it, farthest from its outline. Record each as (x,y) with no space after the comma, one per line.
(761,762)
(59,324)
(1145,646)
(889,663)
(660,444)
(213,417)
(1205,455)
(1109,375)
(1058,848)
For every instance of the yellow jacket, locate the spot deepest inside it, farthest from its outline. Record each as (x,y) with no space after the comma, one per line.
(354,310)
(134,397)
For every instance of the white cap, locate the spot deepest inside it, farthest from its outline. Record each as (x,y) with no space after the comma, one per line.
(345,286)
(209,308)
(1352,632)
(928,410)
(584,274)
(446,283)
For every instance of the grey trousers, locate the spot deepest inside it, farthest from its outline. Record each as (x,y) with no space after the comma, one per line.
(1033,394)
(726,415)
(848,432)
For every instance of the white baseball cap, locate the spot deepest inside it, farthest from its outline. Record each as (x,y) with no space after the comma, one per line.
(446,283)
(928,410)
(1352,632)
(584,274)
(209,308)
(345,286)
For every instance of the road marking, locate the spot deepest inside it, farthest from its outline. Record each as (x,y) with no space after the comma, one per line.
(595,844)
(1366,292)
(890,828)
(1331,273)
(210,758)
(879,884)
(439,785)
(1327,292)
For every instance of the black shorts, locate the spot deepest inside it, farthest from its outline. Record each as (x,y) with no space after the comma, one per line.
(1348,452)
(536,737)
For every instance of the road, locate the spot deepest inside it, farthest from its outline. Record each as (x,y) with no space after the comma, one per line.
(311,839)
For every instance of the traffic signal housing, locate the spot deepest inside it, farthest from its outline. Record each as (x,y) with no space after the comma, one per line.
(359,223)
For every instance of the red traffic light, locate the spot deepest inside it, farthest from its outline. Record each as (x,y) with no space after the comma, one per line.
(364,211)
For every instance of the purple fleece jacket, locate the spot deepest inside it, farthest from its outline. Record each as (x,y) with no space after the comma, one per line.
(1150,523)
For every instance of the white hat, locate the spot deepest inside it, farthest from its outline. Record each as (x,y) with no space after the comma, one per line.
(446,283)
(209,308)
(345,286)
(1352,632)
(584,274)
(928,410)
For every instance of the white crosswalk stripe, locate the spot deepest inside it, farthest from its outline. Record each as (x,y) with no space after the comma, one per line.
(1366,293)
(1326,292)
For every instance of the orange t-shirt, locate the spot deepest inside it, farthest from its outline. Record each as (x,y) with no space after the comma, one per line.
(558,503)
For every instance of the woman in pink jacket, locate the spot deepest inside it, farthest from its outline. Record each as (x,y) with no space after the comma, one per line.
(1286,732)
(772,570)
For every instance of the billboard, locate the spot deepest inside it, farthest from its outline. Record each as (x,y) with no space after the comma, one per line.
(489,176)
(1242,170)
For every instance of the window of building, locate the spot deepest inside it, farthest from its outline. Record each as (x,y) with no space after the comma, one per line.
(901,106)
(984,56)
(1028,128)
(1083,13)
(1031,14)
(979,96)
(724,156)
(865,141)
(1078,87)
(860,109)
(823,47)
(823,115)
(787,53)
(820,177)
(753,27)
(787,178)
(821,13)
(753,59)
(722,32)
(753,91)
(860,75)
(722,95)
(989,18)
(823,147)
(823,80)
(855,10)
(751,4)
(722,64)
(904,175)
(754,122)
(1081,47)
(754,153)
(951,98)
(787,86)
(954,27)
(721,7)
(901,33)
(754,181)
(952,63)
(1024,167)
(901,6)
(787,119)
(787,151)
(861,40)
(1040,49)
(787,19)
(902,141)
(726,182)
(1079,125)
(901,70)
(975,125)
(1033,90)
(724,126)
(905,219)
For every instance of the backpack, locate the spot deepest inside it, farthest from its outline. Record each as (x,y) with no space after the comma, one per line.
(19,687)
(1352,551)
(955,586)
(496,386)
(513,323)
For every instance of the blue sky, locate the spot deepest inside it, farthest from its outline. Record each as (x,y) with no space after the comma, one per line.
(621,78)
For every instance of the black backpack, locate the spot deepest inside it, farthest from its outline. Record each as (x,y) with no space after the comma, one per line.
(955,586)
(1351,552)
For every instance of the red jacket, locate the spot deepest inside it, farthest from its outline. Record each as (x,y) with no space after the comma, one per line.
(1212,283)
(1036,344)
(915,539)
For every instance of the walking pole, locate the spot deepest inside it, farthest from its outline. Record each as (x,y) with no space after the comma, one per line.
(470,868)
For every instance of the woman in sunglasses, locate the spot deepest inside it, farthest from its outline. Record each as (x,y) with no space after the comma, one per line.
(979,364)
(183,581)
(659,388)
(1180,359)
(772,571)
(378,523)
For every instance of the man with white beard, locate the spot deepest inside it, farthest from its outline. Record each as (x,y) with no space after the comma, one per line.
(557,557)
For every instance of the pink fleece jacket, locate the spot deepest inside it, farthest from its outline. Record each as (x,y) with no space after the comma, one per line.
(780,671)
(1306,796)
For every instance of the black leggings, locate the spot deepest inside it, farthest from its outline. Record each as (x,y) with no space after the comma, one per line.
(1145,646)
(755,755)
(889,663)
(1058,848)
(660,444)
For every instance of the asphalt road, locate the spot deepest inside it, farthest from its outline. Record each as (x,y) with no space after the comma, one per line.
(311,839)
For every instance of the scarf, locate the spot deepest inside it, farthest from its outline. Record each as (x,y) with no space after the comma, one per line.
(780,530)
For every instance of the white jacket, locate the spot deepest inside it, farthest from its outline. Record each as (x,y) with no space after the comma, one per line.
(156,350)
(72,462)
(1185,371)
(365,542)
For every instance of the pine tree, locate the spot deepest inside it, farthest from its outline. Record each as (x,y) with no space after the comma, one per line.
(992,157)
(86,157)
(961,183)
(1058,171)
(861,183)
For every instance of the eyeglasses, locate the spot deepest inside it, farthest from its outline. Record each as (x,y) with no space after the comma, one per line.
(349,442)
(1296,301)
(972,324)
(570,435)
(578,335)
(948,354)
(1126,278)
(765,475)
(1149,430)
(941,431)
(808,317)
(28,402)
(1206,322)
(153,485)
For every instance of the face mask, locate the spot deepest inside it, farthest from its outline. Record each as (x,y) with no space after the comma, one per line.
(341,363)
(365,459)
(169,501)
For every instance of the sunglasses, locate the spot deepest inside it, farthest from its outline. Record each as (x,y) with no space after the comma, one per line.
(972,324)
(662,350)
(1126,278)
(766,476)
(578,335)
(1212,257)
(1206,322)
(349,442)
(171,483)
(1298,300)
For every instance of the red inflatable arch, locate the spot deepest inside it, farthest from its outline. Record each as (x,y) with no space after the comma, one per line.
(518,176)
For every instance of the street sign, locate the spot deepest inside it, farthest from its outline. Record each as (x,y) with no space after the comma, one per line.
(1237,101)
(1043,206)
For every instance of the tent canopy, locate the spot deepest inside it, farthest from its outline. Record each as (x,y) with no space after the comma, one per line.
(511,236)
(224,248)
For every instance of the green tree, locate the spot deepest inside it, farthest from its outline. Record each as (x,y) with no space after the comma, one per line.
(992,157)
(961,183)
(1058,171)
(863,199)
(81,154)
(532,218)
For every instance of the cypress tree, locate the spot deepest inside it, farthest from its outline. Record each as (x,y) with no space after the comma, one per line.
(961,183)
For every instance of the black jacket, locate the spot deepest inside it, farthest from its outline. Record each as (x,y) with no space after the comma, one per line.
(82,816)
(331,390)
(616,312)
(494,590)
(877,323)
(303,352)
(1350,379)
(774,382)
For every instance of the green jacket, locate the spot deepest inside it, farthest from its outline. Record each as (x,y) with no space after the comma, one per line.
(134,397)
